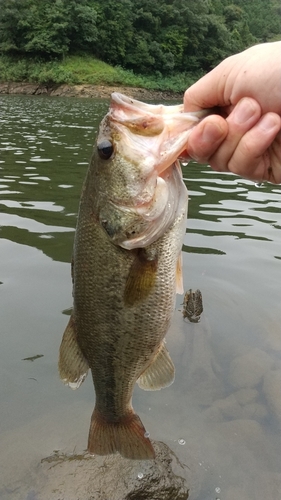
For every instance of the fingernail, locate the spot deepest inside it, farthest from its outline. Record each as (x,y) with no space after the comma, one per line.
(211,132)
(243,111)
(267,123)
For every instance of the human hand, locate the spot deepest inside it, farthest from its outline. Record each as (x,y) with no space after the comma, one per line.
(246,137)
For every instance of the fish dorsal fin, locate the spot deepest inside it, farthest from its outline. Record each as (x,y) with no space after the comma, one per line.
(160,373)
(73,367)
(179,276)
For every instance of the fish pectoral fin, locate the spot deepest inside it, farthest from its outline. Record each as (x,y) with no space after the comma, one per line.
(179,276)
(141,278)
(160,373)
(73,367)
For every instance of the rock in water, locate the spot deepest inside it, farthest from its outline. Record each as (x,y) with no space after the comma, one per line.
(83,477)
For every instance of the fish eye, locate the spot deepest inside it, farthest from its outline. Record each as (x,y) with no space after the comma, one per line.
(105,150)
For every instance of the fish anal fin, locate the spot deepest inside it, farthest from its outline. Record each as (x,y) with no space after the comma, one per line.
(179,276)
(73,367)
(141,278)
(160,373)
(126,436)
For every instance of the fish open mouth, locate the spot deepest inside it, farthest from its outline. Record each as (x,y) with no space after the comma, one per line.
(144,188)
(162,131)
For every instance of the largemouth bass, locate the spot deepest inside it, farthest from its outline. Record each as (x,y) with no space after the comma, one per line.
(127,267)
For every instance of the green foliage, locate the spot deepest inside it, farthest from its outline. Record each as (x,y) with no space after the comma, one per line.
(88,70)
(158,38)
(13,70)
(46,28)
(263,18)
(114,25)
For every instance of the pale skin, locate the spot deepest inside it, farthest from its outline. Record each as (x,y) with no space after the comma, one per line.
(245,137)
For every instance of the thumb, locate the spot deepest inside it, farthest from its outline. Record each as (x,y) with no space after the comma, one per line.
(208,92)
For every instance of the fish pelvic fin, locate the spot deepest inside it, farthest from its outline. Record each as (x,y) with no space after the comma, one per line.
(126,436)
(160,373)
(73,367)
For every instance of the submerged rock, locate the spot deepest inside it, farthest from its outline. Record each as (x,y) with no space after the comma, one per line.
(201,372)
(246,396)
(268,487)
(248,370)
(83,477)
(241,404)
(272,390)
(235,493)
(248,434)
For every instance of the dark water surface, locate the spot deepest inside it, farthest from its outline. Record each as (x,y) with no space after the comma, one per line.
(222,416)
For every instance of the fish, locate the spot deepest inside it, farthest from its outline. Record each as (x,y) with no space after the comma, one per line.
(127,268)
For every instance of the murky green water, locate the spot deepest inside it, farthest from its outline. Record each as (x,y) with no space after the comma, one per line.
(222,416)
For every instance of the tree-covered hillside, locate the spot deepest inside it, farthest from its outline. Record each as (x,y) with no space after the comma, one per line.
(146,36)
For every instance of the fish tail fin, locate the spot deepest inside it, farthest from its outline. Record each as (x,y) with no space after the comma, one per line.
(127,436)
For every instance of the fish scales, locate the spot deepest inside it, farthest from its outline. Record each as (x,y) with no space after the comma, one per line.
(126,268)
(128,335)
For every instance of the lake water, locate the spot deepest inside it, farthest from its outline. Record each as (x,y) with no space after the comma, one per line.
(222,415)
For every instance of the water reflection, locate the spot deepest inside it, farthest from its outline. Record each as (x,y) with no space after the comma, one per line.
(222,414)
(54,139)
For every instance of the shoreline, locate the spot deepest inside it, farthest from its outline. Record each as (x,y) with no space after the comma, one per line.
(85,90)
